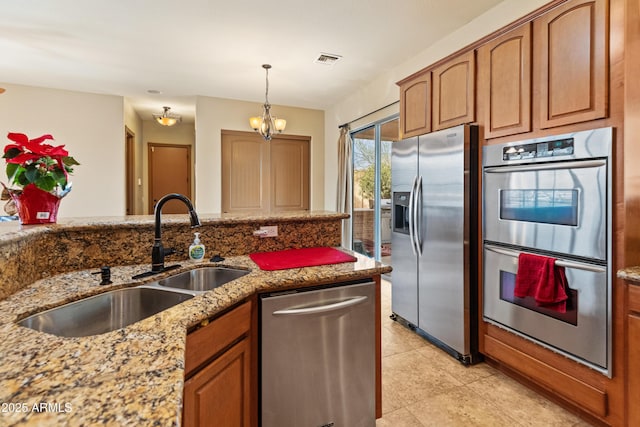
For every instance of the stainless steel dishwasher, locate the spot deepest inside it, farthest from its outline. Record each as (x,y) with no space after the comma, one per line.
(318,357)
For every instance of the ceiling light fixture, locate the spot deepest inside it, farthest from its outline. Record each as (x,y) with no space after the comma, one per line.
(267,124)
(166,118)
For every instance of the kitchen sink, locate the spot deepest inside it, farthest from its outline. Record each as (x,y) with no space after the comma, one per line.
(105,312)
(202,279)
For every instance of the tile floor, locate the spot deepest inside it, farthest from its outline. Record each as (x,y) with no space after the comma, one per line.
(424,386)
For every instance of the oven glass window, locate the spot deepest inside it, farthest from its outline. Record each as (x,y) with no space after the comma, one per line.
(546,206)
(508,286)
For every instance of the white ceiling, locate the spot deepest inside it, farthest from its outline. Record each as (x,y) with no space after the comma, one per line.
(216,48)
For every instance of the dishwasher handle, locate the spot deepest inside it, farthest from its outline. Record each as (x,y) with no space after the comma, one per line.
(321,308)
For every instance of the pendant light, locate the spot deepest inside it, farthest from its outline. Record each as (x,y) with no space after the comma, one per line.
(267,125)
(167,118)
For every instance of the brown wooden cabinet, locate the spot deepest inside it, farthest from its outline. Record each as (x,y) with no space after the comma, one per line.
(219,394)
(570,62)
(289,174)
(633,356)
(454,92)
(219,364)
(415,105)
(504,83)
(259,176)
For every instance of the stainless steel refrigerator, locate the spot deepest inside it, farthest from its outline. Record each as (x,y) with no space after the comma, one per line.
(434,238)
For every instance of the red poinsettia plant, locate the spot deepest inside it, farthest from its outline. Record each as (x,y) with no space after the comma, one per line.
(32,161)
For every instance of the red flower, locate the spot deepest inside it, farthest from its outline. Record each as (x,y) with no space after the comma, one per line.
(34,161)
(32,149)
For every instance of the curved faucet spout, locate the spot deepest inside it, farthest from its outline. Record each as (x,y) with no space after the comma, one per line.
(158,251)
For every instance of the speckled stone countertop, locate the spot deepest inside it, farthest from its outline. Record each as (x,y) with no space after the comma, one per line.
(13,230)
(31,253)
(632,274)
(131,376)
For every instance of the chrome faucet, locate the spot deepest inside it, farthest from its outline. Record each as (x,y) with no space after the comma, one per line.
(158,251)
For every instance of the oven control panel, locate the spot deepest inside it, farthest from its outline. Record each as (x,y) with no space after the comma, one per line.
(558,147)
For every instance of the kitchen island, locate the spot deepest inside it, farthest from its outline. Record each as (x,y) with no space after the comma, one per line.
(133,375)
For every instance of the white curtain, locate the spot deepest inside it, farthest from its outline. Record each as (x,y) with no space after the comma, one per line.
(345,173)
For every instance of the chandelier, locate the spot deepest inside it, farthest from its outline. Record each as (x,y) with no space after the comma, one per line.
(166,118)
(267,124)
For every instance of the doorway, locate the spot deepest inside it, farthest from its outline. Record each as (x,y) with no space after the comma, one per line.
(169,172)
(371,216)
(130,174)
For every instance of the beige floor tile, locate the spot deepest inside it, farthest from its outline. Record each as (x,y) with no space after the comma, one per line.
(408,377)
(465,374)
(399,418)
(522,404)
(399,339)
(459,407)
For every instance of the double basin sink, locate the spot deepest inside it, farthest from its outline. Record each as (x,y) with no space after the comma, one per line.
(116,309)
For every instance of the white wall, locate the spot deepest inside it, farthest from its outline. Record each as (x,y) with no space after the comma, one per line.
(92,129)
(383,90)
(215,114)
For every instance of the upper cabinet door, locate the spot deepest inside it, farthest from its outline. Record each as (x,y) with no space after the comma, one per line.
(571,62)
(504,83)
(454,92)
(415,106)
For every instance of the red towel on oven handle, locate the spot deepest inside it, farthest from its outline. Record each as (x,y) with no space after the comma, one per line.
(540,278)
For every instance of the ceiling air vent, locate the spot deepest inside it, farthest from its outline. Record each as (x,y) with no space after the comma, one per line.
(327,59)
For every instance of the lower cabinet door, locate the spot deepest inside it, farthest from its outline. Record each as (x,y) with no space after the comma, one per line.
(219,395)
(633,373)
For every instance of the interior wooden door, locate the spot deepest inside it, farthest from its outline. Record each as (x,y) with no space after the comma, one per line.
(130,178)
(169,172)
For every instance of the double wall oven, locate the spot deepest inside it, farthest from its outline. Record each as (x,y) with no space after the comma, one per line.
(552,196)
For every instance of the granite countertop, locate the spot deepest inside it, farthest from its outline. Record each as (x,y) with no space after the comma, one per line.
(131,376)
(631,274)
(11,230)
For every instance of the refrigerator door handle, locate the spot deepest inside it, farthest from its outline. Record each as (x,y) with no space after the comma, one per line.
(412,214)
(417,212)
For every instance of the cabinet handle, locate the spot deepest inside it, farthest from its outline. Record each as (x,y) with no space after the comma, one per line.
(322,308)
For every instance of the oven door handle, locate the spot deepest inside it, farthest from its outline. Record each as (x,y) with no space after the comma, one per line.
(412,214)
(547,166)
(560,263)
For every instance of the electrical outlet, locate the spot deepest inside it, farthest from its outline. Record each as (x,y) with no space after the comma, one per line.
(269,231)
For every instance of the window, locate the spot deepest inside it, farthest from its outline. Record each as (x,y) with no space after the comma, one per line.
(371,216)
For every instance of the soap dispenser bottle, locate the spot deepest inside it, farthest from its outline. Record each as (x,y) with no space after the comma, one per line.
(196,250)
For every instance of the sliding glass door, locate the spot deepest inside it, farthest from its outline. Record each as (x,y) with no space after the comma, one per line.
(371,216)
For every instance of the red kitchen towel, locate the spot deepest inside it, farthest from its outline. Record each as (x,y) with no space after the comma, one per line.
(296,258)
(540,278)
